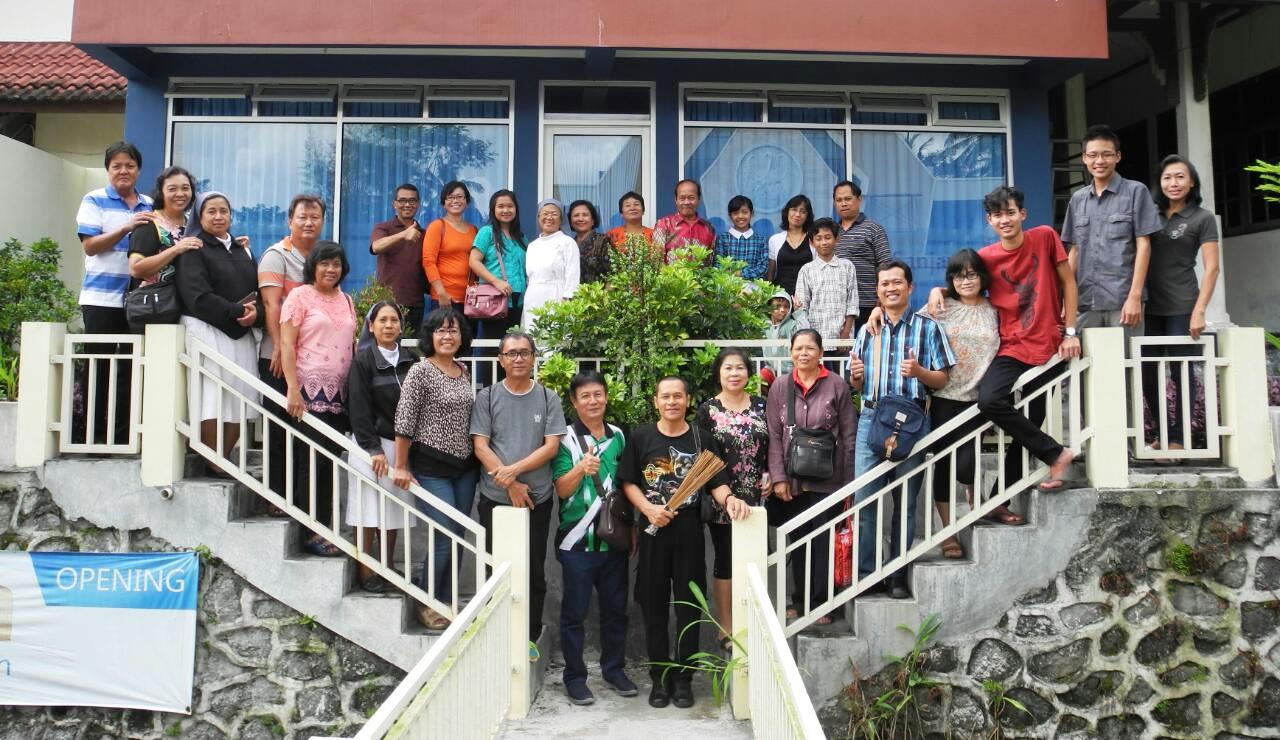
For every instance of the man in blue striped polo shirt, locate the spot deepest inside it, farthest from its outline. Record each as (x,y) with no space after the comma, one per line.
(913,358)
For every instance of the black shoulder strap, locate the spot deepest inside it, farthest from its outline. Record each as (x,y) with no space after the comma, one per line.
(791,401)
(595,477)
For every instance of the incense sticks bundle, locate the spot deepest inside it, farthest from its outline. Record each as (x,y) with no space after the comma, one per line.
(704,467)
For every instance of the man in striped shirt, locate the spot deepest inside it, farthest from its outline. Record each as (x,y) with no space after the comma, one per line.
(861,241)
(910,358)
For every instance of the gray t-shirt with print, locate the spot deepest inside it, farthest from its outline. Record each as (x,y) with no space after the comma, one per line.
(1172,286)
(516,425)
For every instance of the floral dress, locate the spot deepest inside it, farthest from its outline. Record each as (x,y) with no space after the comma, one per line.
(593,250)
(744,437)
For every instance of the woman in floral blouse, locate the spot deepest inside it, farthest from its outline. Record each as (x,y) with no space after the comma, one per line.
(738,422)
(593,247)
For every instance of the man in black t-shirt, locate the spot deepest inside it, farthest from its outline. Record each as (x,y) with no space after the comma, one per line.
(656,459)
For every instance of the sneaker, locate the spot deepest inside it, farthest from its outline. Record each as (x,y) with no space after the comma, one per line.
(579,694)
(658,696)
(621,684)
(682,694)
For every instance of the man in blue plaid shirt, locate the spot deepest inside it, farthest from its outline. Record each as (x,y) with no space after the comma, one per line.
(741,242)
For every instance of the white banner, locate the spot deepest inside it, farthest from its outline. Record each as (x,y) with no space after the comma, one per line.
(98,629)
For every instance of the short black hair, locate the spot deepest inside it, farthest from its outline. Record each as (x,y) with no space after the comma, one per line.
(630,195)
(737,202)
(1100,131)
(451,186)
(376,308)
(824,223)
(407,186)
(684,383)
(515,336)
(157,195)
(585,378)
(595,215)
(891,264)
(998,200)
(696,184)
(857,191)
(325,250)
(811,333)
(307,199)
(795,202)
(1193,195)
(965,258)
(118,148)
(442,317)
(725,354)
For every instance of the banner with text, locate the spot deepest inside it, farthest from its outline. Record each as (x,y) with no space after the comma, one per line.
(98,629)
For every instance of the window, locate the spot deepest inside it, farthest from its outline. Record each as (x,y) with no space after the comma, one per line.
(1245,119)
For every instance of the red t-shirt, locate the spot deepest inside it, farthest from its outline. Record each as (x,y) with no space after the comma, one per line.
(1025,291)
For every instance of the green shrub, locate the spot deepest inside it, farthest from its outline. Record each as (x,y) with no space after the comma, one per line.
(30,289)
(369,294)
(1269,173)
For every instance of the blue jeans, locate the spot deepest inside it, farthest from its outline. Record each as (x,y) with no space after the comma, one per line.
(459,492)
(606,573)
(868,526)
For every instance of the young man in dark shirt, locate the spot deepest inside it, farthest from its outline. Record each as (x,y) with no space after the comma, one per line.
(397,244)
(654,463)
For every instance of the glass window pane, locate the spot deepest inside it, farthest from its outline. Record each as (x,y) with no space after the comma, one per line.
(376,157)
(211,107)
(768,166)
(598,168)
(871,118)
(926,189)
(791,114)
(260,167)
(709,110)
(954,110)
(382,110)
(468,108)
(296,108)
(597,99)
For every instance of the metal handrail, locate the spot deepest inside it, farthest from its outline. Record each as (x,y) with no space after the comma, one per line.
(780,705)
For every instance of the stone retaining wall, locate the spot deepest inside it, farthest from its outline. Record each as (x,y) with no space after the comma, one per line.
(1165,624)
(263,671)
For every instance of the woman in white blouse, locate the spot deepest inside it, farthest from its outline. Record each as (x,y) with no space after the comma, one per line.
(551,263)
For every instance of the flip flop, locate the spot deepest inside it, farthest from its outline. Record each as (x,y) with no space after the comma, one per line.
(1054,484)
(952,550)
(1002,515)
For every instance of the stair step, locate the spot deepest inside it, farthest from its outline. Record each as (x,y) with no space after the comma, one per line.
(1184,476)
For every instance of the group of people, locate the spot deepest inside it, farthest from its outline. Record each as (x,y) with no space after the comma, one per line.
(1008,307)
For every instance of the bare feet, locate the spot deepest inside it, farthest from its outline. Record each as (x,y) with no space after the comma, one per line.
(1058,469)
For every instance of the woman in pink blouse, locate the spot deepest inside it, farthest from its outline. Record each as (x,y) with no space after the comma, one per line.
(317,337)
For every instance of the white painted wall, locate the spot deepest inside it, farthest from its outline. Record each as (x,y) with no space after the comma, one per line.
(1253,280)
(47,20)
(78,137)
(41,199)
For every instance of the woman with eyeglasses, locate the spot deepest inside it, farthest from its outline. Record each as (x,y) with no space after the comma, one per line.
(446,247)
(433,444)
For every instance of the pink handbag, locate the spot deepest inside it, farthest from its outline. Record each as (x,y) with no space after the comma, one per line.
(485,301)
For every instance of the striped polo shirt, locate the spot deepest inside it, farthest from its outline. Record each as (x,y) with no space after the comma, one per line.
(919,333)
(106,274)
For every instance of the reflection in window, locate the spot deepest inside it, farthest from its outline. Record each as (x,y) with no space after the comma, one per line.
(768,166)
(926,189)
(598,168)
(377,157)
(260,167)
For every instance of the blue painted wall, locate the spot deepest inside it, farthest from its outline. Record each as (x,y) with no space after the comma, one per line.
(1033,152)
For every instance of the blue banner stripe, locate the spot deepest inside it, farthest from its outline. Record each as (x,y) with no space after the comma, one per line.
(167,580)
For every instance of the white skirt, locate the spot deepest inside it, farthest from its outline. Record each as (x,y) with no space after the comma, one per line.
(363,500)
(213,395)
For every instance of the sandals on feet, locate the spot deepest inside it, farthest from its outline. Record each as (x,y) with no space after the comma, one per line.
(318,546)
(952,550)
(1003,515)
(432,619)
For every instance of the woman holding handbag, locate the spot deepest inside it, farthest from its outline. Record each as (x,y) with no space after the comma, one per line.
(809,404)
(497,261)
(737,421)
(154,247)
(446,246)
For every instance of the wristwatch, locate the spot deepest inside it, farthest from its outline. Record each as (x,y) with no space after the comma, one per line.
(1069,332)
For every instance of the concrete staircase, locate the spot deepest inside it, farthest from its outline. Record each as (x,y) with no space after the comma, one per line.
(265,551)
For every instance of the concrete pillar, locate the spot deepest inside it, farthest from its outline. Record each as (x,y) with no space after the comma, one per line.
(164,402)
(1077,123)
(39,393)
(750,546)
(1248,448)
(1107,461)
(1195,143)
(511,545)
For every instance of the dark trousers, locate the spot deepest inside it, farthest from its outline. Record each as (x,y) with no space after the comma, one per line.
(322,471)
(781,512)
(941,411)
(494,329)
(995,400)
(103,320)
(539,526)
(1167,326)
(273,437)
(668,562)
(606,573)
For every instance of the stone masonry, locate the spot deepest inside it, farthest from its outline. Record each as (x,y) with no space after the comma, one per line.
(262,671)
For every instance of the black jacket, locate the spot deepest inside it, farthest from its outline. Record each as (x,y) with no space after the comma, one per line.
(373,390)
(213,280)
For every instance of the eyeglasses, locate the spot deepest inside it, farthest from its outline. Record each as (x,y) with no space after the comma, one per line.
(965,277)
(445,332)
(1104,156)
(407,201)
(518,354)
(455,198)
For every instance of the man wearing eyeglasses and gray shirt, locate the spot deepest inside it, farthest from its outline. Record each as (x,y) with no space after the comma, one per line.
(1107,232)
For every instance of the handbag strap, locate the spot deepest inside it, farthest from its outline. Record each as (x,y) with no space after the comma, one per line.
(791,403)
(595,477)
(502,265)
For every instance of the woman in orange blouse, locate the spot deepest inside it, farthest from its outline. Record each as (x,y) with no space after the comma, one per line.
(446,246)
(631,207)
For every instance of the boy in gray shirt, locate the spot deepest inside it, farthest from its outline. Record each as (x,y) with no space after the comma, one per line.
(516,426)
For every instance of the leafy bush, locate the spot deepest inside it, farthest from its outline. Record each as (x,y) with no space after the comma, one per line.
(369,294)
(1269,173)
(30,289)
(633,318)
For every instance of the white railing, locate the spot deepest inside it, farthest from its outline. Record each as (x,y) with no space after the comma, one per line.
(834,513)
(460,688)
(780,705)
(226,376)
(1193,366)
(94,369)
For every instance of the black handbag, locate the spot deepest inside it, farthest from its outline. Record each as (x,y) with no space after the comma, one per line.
(811,453)
(614,518)
(897,422)
(155,303)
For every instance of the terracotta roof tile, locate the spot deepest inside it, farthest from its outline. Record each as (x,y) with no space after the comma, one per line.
(55,73)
